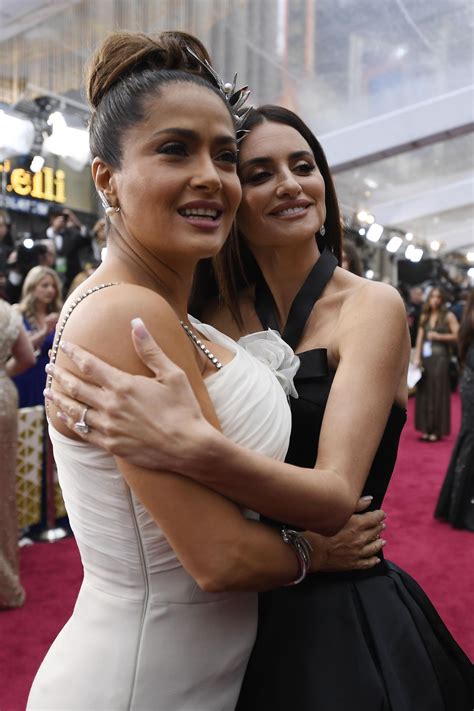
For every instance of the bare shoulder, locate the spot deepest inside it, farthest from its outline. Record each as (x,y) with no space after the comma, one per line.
(373,320)
(452,318)
(373,300)
(101,322)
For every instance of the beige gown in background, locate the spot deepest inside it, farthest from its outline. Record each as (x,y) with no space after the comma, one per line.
(11,591)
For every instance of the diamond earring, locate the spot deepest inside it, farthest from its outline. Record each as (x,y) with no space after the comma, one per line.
(109,210)
(322,231)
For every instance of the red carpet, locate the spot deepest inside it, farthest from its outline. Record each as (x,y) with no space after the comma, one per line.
(439,557)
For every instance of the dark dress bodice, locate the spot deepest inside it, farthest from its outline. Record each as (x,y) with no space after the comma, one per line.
(368,640)
(313,383)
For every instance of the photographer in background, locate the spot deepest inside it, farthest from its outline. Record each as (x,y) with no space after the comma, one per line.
(70,237)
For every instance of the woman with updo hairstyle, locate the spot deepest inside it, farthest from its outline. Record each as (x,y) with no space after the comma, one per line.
(167,612)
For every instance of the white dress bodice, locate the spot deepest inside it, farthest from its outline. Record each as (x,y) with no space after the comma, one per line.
(143,635)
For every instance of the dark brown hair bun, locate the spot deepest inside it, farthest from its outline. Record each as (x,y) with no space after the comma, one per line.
(127,71)
(126,53)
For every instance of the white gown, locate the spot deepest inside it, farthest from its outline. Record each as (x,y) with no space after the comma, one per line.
(143,635)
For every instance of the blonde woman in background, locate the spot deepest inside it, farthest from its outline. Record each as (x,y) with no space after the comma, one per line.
(40,306)
(16,355)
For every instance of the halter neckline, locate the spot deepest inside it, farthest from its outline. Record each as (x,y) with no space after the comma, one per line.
(302,304)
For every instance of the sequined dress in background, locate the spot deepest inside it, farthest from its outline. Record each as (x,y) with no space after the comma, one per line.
(11,591)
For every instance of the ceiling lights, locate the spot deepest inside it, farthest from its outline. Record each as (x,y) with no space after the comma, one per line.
(414,254)
(374,232)
(394,244)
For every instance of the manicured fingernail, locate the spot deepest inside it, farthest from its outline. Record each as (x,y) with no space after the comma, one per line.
(139,329)
(384,525)
(367,498)
(48,394)
(384,543)
(49,368)
(379,560)
(61,416)
(66,347)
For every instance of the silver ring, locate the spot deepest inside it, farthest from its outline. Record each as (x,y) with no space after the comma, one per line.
(81,426)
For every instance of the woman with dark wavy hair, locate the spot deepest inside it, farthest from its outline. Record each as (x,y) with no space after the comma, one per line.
(363,639)
(456,499)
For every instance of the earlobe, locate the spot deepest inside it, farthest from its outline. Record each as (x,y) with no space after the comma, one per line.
(103,177)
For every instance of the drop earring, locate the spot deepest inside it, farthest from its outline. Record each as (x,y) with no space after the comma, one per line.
(322,230)
(109,210)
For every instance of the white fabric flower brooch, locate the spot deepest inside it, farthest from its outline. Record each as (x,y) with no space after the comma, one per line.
(269,348)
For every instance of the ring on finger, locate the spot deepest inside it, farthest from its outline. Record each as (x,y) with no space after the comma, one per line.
(81,425)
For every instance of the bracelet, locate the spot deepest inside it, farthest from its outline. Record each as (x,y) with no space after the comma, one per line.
(303,550)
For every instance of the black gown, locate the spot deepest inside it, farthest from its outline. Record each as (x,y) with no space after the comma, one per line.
(456,499)
(357,640)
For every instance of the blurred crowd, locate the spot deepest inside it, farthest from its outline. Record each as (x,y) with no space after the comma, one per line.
(37,273)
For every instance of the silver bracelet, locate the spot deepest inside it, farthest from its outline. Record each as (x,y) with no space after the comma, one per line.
(303,550)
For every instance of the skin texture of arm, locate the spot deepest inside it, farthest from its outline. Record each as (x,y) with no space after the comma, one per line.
(23,356)
(373,363)
(216,544)
(418,346)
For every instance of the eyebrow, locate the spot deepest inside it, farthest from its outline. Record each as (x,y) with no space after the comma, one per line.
(190,134)
(264,160)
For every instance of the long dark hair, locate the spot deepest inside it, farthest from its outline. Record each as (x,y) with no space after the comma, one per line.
(426,310)
(466,329)
(235,268)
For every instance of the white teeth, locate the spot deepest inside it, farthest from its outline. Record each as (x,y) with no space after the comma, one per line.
(290,211)
(199,212)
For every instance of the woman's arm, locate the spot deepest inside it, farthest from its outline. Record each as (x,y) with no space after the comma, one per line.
(37,337)
(216,544)
(373,362)
(450,337)
(23,356)
(418,346)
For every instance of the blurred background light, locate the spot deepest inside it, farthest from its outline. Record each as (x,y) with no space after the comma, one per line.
(374,232)
(394,244)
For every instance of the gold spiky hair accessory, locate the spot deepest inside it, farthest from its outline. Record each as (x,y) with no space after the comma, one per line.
(234,99)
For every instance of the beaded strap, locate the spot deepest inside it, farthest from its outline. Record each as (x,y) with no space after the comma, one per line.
(215,361)
(59,332)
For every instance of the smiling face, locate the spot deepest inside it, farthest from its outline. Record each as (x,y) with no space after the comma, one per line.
(283,195)
(177,186)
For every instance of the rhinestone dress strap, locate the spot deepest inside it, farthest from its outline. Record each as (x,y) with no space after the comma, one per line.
(59,332)
(202,346)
